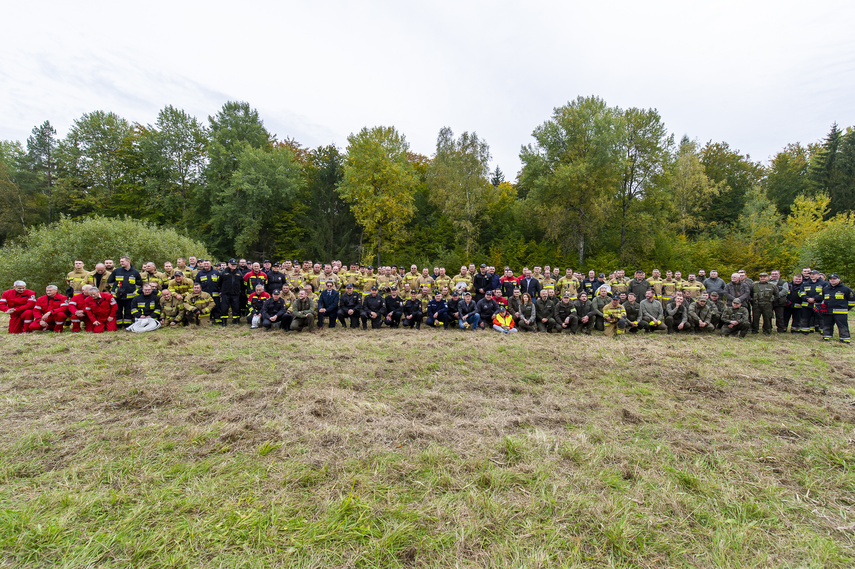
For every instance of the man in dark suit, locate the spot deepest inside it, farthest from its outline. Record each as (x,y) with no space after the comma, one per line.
(529,284)
(328,305)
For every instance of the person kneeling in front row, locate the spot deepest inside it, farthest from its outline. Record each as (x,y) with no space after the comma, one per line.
(503,322)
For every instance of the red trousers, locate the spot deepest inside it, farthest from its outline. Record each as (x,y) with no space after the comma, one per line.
(102,326)
(19,322)
(55,323)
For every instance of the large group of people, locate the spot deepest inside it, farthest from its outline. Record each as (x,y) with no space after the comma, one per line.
(294,296)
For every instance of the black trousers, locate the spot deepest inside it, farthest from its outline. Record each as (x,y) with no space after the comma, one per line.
(123,314)
(375,322)
(415,321)
(233,302)
(284,323)
(331,313)
(343,318)
(393,319)
(842,322)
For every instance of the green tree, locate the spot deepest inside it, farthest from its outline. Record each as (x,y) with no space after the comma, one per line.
(807,217)
(644,147)
(40,160)
(457,179)
(246,209)
(175,154)
(832,249)
(736,174)
(19,209)
(379,182)
(832,169)
(91,162)
(329,230)
(234,128)
(787,177)
(760,225)
(497,176)
(691,189)
(571,170)
(21,205)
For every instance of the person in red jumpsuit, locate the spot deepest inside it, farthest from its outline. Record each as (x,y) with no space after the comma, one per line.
(50,311)
(18,303)
(101,310)
(76,312)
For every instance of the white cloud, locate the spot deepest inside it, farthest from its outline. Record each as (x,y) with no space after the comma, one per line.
(757,75)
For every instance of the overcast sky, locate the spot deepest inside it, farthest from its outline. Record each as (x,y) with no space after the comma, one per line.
(755,74)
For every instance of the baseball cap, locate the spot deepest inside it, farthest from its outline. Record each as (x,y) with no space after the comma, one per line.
(834,276)
(232,262)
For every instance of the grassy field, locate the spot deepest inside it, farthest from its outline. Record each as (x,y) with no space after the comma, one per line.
(426,449)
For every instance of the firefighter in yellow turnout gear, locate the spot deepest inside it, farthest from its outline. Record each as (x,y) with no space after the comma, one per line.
(614,318)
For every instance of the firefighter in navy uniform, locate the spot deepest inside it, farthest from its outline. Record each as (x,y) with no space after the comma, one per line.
(394,308)
(376,305)
(230,286)
(349,307)
(811,299)
(839,299)
(123,284)
(275,279)
(209,278)
(412,314)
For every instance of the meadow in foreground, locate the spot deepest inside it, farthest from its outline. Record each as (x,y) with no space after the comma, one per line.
(240,448)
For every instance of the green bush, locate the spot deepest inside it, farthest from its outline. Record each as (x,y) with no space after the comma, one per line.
(832,250)
(47,253)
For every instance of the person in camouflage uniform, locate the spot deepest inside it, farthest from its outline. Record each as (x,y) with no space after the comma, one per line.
(701,315)
(764,294)
(735,319)
(303,311)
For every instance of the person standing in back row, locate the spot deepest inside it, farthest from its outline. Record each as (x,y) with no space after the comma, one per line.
(839,300)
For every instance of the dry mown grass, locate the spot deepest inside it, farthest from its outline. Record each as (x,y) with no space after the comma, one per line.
(350,448)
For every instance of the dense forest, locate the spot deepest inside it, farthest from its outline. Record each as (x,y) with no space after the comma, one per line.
(600,187)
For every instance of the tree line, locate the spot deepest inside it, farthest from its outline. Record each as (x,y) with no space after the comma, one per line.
(600,187)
